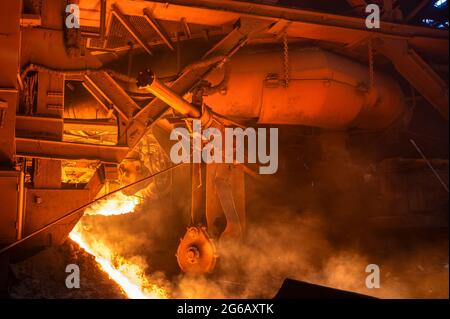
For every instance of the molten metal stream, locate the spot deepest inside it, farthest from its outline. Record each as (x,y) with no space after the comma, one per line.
(128,275)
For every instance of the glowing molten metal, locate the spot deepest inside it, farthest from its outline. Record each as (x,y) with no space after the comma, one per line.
(127,274)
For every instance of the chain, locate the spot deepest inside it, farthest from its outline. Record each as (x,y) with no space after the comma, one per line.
(286,59)
(371,71)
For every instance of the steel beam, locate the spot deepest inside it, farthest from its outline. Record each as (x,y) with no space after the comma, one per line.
(417,72)
(96,94)
(114,94)
(131,28)
(158,29)
(306,24)
(34,126)
(186,28)
(35,148)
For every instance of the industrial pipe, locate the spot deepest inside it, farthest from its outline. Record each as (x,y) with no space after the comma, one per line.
(147,80)
(325,90)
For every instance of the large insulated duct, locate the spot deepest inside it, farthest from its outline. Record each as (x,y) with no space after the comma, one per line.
(325,90)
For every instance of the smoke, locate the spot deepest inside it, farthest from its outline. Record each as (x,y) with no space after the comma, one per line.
(311,226)
(281,244)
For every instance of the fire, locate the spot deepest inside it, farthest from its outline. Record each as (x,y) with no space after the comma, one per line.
(129,275)
(117,204)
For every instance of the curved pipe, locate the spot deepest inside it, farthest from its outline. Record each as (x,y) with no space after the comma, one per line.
(75,72)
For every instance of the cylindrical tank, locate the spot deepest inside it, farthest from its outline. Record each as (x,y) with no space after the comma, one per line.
(325,90)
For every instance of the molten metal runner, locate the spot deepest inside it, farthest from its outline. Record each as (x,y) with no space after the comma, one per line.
(128,275)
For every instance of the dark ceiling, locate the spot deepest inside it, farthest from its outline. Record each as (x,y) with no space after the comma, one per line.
(342,7)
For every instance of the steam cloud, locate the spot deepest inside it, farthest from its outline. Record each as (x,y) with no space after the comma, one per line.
(280,243)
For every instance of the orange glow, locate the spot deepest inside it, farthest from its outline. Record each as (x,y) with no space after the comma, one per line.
(129,275)
(116,204)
